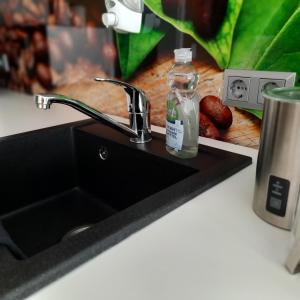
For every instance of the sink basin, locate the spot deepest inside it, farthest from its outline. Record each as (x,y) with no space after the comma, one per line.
(58,179)
(62,183)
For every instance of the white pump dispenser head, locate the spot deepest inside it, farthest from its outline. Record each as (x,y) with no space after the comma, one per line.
(124,15)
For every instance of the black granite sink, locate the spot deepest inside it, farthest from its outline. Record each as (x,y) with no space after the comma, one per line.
(58,179)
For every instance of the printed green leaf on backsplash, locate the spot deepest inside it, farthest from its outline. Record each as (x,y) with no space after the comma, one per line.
(219,47)
(133,48)
(267,37)
(283,53)
(255,112)
(260,24)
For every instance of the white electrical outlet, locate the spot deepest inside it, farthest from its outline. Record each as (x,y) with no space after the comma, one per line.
(243,88)
(238,88)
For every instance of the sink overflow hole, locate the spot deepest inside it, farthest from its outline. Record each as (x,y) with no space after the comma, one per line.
(103,153)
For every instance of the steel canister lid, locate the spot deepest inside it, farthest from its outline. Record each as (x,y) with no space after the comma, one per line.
(290,95)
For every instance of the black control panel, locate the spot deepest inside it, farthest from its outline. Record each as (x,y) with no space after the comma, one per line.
(278,193)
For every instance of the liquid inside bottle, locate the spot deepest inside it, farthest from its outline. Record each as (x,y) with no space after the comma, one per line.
(182,124)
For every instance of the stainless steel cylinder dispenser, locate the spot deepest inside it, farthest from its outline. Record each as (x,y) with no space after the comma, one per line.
(278,167)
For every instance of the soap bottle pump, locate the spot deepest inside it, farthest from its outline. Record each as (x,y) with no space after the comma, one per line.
(124,16)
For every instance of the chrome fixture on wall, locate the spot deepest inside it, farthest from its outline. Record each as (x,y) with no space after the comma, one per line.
(124,15)
(138,109)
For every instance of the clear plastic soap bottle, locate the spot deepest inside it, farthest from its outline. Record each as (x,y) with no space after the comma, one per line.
(182,122)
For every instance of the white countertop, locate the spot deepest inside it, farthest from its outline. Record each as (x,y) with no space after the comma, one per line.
(213,247)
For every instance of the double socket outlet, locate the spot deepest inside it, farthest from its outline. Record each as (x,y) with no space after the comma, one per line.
(243,88)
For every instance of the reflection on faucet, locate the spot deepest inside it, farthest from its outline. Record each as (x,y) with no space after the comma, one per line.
(138,109)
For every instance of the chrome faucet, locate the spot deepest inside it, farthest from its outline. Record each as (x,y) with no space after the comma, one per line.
(138,108)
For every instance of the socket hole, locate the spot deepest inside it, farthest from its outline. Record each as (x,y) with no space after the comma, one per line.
(269,86)
(238,89)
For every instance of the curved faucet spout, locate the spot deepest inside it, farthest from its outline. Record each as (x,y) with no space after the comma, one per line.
(137,104)
(44,101)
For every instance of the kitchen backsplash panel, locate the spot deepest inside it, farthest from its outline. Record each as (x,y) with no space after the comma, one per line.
(59,46)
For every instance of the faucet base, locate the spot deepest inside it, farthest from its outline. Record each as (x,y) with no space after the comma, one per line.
(141,140)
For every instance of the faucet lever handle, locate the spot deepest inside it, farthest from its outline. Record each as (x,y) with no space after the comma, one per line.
(125,85)
(137,101)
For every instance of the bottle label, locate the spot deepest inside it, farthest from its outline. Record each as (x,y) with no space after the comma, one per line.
(174,134)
